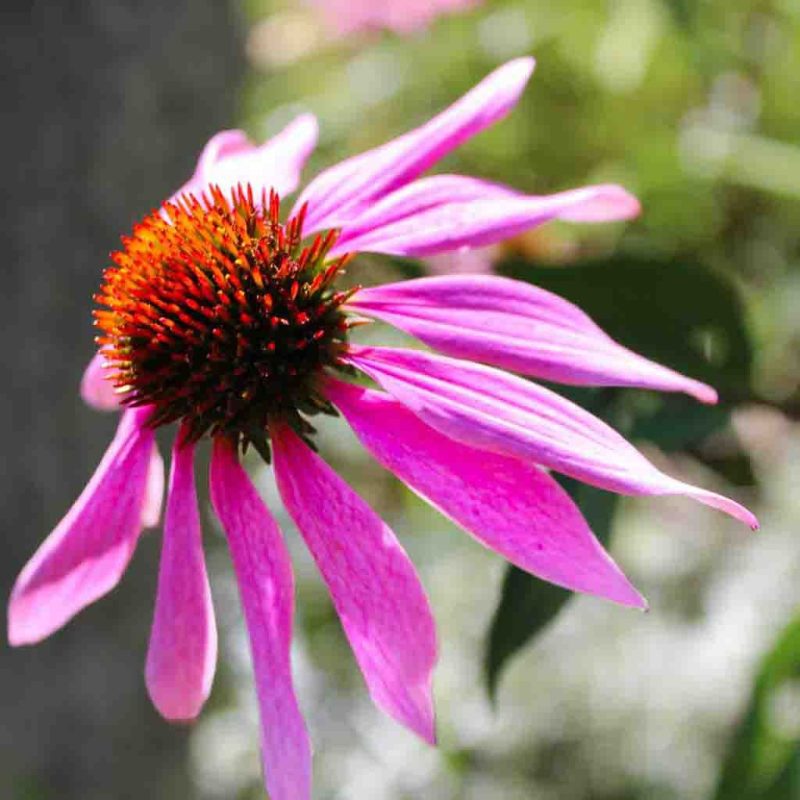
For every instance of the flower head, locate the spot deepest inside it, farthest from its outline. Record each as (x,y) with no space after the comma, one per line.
(216,315)
(220,316)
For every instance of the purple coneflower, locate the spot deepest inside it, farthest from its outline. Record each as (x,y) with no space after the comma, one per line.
(222,318)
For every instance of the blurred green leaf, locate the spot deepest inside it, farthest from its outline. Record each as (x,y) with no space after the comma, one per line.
(527,605)
(683,12)
(788,784)
(735,468)
(678,422)
(681,424)
(763,762)
(681,314)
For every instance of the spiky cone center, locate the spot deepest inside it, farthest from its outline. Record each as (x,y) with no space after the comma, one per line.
(216,315)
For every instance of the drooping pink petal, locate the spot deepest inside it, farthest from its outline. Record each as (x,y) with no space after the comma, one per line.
(519,327)
(230,159)
(183,643)
(338,194)
(154,493)
(421,195)
(509,506)
(87,553)
(449,225)
(492,410)
(266,586)
(96,390)
(375,589)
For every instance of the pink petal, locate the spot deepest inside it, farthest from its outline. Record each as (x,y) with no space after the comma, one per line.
(183,643)
(423,194)
(154,493)
(266,586)
(509,506)
(342,191)
(353,16)
(492,410)
(449,225)
(230,159)
(220,146)
(374,586)
(519,327)
(87,553)
(96,390)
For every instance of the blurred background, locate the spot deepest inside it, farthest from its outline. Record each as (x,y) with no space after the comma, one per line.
(692,105)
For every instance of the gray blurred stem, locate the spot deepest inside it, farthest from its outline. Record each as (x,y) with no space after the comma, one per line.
(105,107)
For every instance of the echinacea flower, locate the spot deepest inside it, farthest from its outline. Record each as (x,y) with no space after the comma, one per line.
(222,318)
(400,16)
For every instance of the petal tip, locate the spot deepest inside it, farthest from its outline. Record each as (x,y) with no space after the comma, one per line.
(721,503)
(423,724)
(412,707)
(626,595)
(630,206)
(179,698)
(523,66)
(428,733)
(27,625)
(622,204)
(308,121)
(607,202)
(513,76)
(742,514)
(16,631)
(174,713)
(303,128)
(96,390)
(704,393)
(432,738)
